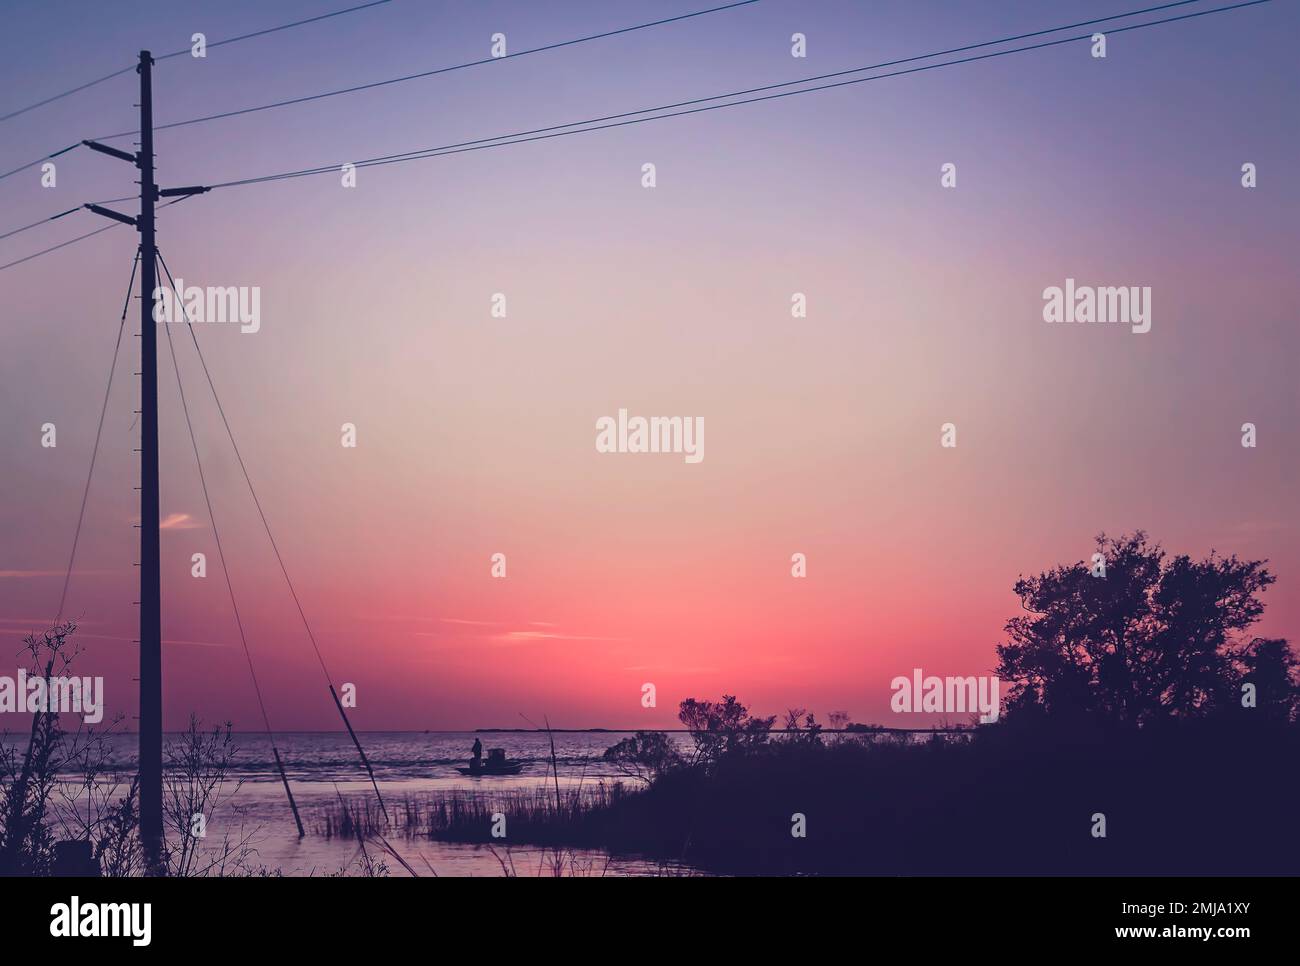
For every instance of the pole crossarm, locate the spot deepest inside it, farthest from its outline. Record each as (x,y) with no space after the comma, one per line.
(115,215)
(112,152)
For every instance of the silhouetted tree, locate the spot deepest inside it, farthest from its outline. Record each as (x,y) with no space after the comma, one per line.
(26,841)
(801,728)
(62,786)
(722,728)
(1155,637)
(59,785)
(1271,666)
(645,756)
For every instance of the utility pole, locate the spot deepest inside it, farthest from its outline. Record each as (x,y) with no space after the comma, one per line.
(151,826)
(151,691)
(150,721)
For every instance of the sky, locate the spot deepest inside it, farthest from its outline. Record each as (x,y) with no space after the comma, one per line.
(475,434)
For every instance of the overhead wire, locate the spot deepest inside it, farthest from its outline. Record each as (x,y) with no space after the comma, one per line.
(665,111)
(89,234)
(589,125)
(94,451)
(225,569)
(278,556)
(391,80)
(176,53)
(442,70)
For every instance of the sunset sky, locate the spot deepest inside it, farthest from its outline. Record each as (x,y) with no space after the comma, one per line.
(476,434)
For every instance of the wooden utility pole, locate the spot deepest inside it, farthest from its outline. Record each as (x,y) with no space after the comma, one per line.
(150,721)
(151,823)
(151,691)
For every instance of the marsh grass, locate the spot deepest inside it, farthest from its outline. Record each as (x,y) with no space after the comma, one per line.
(563,835)
(539,815)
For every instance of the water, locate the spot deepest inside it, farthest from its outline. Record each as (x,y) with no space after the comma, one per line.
(322,767)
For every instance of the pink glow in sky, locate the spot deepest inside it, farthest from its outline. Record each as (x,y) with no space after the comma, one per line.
(476,434)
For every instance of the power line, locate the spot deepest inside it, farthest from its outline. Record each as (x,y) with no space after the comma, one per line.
(99,431)
(805,80)
(221,555)
(74,90)
(595,124)
(35,224)
(89,234)
(443,70)
(185,50)
(55,248)
(216,532)
(32,164)
(275,547)
(271,30)
(397,80)
(55,217)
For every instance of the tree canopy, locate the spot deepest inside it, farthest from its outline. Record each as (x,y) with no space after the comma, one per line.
(1157,636)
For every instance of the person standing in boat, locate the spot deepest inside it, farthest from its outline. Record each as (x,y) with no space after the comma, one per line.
(477,751)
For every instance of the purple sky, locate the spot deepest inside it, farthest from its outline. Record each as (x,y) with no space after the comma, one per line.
(476,434)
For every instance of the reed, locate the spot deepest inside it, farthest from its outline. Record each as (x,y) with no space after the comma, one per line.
(538,815)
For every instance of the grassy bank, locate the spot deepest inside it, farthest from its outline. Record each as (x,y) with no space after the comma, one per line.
(1176,800)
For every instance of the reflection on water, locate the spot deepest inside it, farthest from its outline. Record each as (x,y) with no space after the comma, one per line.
(324,767)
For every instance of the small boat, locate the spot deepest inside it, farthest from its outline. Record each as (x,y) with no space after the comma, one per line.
(510,768)
(496,764)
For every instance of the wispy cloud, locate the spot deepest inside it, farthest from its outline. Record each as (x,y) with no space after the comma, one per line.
(23,574)
(523,637)
(1248,527)
(422,619)
(537,631)
(24,627)
(179,521)
(131,640)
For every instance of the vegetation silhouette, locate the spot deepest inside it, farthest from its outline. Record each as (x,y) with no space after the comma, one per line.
(1135,699)
(66,810)
(1153,638)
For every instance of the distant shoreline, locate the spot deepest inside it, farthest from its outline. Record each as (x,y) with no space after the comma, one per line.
(863,729)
